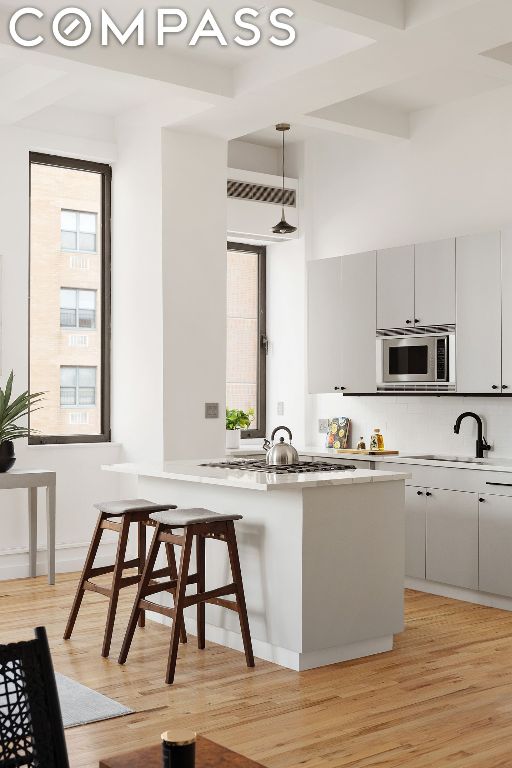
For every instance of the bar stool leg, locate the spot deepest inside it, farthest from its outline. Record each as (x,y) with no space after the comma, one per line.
(178,610)
(240,595)
(201,586)
(173,570)
(89,562)
(142,562)
(143,584)
(116,585)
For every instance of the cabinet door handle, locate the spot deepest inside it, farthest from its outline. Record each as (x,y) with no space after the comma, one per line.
(408,322)
(495,386)
(339,389)
(482,501)
(428,493)
(420,493)
(505,386)
(416,320)
(501,485)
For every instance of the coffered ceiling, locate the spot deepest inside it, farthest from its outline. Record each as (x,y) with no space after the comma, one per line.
(358,66)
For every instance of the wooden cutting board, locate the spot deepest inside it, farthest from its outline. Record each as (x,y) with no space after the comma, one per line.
(367,452)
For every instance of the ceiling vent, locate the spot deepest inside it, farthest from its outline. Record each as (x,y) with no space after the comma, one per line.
(260,193)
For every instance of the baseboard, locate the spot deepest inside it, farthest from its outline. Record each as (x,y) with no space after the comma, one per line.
(295,660)
(14,563)
(459,593)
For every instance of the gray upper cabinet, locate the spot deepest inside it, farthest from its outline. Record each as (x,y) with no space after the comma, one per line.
(434,282)
(479,313)
(395,287)
(342,324)
(506,280)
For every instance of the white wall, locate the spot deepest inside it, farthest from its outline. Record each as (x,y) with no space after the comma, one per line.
(194,291)
(137,309)
(253,157)
(452,178)
(80,481)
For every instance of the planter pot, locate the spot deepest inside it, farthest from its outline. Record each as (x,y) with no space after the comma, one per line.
(233,438)
(7,457)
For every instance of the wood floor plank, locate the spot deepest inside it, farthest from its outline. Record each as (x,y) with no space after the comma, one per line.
(442,697)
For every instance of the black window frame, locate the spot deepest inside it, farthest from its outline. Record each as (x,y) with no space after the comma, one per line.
(104,304)
(261,251)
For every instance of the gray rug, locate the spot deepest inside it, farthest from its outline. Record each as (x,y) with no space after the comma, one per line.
(81,705)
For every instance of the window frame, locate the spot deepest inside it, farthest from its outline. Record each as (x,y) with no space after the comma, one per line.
(77,405)
(76,309)
(103,301)
(261,251)
(79,232)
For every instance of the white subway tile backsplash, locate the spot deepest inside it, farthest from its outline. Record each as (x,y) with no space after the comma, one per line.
(419,424)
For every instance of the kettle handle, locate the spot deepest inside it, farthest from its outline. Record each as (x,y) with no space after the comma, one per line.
(277,430)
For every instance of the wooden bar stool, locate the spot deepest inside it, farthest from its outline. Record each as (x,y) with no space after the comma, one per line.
(134,511)
(201,524)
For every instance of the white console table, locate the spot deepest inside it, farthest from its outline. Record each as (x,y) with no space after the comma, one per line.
(32,479)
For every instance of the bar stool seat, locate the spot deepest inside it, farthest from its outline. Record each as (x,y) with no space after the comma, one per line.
(118,508)
(178,518)
(127,512)
(199,525)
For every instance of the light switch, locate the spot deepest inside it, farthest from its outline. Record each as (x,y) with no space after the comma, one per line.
(211,410)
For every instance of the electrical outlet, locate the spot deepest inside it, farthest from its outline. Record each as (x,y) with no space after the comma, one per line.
(323,426)
(211,410)
(280,408)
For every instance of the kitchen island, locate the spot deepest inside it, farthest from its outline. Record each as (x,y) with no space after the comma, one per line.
(322,556)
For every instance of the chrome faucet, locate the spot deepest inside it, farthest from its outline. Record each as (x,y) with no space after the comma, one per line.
(481,442)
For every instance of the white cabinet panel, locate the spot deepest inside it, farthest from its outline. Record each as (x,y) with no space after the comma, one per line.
(495,556)
(452,538)
(342,324)
(415,528)
(479,313)
(356,306)
(324,325)
(395,287)
(506,277)
(435,283)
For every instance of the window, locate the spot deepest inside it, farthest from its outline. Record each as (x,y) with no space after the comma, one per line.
(78,231)
(69,211)
(77,386)
(246,333)
(77,308)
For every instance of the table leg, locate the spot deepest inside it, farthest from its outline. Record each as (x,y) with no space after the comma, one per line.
(32,531)
(50,524)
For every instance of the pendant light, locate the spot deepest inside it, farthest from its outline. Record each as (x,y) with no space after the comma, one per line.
(283,228)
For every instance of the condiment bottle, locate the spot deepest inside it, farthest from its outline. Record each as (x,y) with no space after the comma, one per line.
(361,446)
(179,749)
(377,441)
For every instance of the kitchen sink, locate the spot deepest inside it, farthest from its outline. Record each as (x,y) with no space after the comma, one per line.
(461,459)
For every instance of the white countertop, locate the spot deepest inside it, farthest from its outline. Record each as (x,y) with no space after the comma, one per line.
(494,464)
(190,471)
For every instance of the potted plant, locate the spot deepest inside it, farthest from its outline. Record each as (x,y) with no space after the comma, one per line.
(235,422)
(10,412)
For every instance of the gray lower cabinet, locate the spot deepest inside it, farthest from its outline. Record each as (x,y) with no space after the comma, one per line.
(415,529)
(452,538)
(495,550)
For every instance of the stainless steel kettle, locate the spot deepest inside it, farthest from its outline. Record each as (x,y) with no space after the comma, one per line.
(281,452)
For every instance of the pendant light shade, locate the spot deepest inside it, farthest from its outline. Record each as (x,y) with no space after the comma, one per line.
(283,228)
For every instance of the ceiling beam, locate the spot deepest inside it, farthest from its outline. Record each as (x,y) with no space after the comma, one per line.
(361,116)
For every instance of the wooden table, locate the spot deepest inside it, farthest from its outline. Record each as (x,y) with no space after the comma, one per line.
(208,755)
(32,479)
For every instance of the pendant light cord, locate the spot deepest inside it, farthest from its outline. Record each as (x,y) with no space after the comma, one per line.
(282,199)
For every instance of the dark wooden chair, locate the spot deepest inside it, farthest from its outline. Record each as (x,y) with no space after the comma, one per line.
(116,516)
(31,729)
(200,524)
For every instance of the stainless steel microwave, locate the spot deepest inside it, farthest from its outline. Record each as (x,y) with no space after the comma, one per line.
(417,359)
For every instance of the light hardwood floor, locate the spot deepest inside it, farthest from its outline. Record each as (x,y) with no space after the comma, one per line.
(443,697)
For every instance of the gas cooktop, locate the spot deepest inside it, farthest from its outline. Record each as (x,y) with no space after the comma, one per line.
(255,465)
